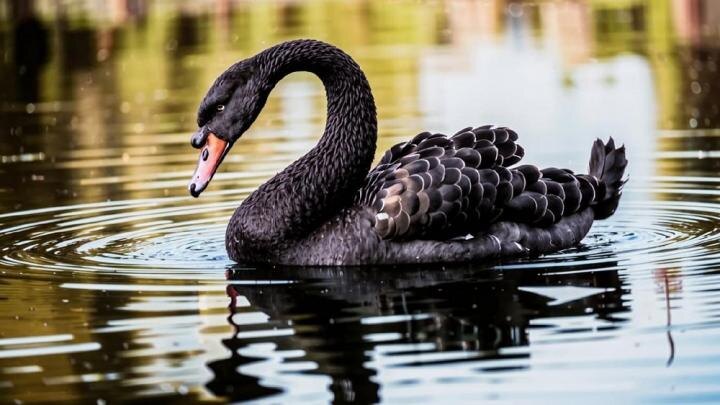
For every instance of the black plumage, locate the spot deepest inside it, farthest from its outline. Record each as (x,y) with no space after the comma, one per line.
(471,187)
(434,198)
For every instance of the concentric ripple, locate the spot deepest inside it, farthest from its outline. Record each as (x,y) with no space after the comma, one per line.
(152,238)
(646,235)
(177,237)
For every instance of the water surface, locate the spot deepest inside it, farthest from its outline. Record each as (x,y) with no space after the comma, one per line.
(116,285)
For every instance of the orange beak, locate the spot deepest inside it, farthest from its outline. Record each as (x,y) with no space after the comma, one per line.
(212,154)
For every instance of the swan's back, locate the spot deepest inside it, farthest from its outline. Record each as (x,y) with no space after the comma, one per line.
(443,187)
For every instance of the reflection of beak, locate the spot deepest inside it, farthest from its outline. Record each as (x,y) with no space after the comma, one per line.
(211,155)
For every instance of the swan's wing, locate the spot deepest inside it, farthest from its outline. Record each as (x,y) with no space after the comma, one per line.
(483,139)
(437,187)
(434,184)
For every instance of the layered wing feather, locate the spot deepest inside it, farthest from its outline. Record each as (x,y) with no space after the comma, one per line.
(439,187)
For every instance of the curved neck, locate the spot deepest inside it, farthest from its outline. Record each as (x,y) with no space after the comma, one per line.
(350,104)
(323,181)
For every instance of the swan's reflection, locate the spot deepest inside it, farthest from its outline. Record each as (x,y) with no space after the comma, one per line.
(337,315)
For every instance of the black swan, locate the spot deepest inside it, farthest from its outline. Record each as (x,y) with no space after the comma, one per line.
(435,198)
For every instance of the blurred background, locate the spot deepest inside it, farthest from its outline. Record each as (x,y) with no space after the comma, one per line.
(99,98)
(114,283)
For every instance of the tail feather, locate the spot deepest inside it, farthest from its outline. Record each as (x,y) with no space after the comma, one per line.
(607,164)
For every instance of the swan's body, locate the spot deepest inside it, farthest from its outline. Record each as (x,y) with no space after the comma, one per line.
(434,198)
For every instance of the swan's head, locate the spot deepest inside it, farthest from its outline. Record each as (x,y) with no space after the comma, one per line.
(227,111)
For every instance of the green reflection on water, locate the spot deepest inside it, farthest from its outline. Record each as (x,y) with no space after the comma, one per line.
(100,98)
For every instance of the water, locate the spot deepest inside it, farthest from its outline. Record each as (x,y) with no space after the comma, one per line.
(116,286)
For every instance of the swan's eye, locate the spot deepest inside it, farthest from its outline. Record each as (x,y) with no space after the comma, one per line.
(220,107)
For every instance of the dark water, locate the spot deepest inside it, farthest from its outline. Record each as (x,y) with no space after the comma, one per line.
(116,286)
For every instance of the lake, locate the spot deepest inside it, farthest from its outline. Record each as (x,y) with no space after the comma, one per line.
(116,285)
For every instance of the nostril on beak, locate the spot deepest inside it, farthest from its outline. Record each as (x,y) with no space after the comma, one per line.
(198,139)
(205,154)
